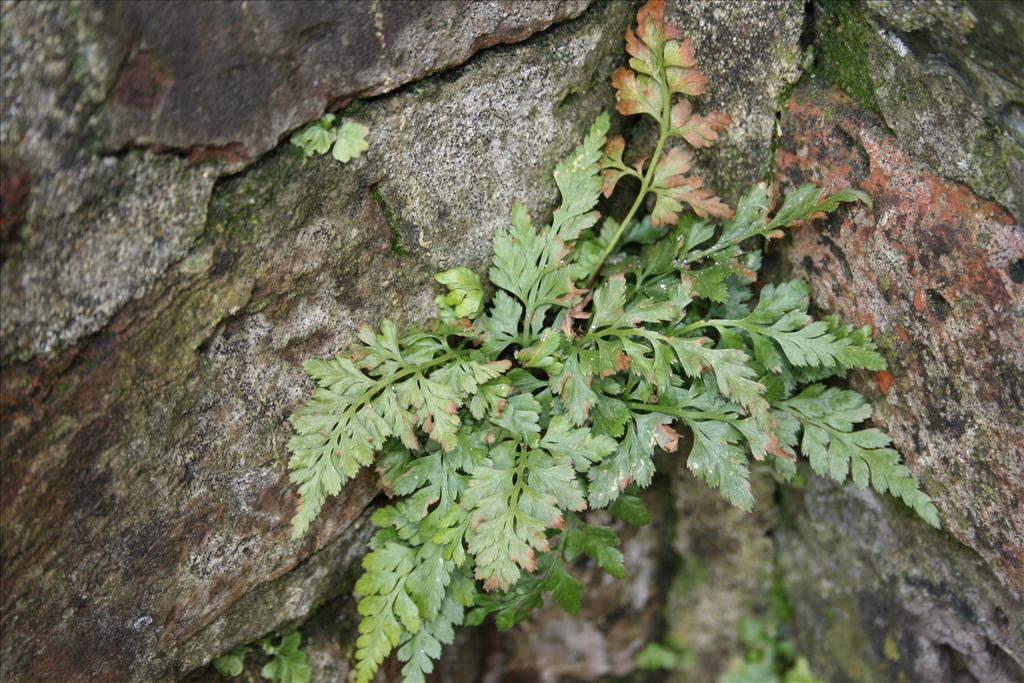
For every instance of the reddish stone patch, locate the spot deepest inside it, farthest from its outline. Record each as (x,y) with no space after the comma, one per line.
(233,154)
(339,103)
(932,265)
(15,184)
(919,300)
(883,380)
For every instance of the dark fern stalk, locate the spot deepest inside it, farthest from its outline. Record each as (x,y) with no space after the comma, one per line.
(493,431)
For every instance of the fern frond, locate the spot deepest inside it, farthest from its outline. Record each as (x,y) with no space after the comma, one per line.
(495,430)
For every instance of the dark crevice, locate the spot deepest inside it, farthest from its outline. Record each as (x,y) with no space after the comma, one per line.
(808,35)
(395,236)
(805,45)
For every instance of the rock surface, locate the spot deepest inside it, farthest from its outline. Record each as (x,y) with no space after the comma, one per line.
(947,77)
(750,53)
(879,598)
(87,83)
(167,264)
(95,231)
(936,270)
(726,567)
(243,74)
(145,499)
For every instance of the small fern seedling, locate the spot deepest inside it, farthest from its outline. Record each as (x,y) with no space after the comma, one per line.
(346,142)
(494,430)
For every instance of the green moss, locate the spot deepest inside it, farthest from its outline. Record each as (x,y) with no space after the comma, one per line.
(244,198)
(844,42)
(258,305)
(355,108)
(779,609)
(847,641)
(890,649)
(692,575)
(397,244)
(65,425)
(992,159)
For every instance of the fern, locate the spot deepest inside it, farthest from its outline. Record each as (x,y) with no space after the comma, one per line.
(602,343)
(287,663)
(345,142)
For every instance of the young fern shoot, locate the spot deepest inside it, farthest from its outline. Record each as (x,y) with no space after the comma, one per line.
(493,431)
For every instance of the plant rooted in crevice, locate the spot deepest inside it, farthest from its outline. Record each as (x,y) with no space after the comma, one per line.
(345,141)
(494,430)
(287,663)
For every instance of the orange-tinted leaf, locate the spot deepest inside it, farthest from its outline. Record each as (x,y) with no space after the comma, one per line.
(671,165)
(742,269)
(612,165)
(680,54)
(671,32)
(699,131)
(702,200)
(686,81)
(621,361)
(609,179)
(636,94)
(669,438)
(777,448)
(665,209)
(623,79)
(683,190)
(650,21)
(642,59)
(627,94)
(681,112)
(613,150)
(702,131)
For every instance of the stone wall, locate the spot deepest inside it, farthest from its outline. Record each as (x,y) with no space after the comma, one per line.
(168,260)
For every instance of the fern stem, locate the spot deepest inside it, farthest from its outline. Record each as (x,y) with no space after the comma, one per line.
(717,324)
(629,216)
(645,183)
(391,379)
(687,415)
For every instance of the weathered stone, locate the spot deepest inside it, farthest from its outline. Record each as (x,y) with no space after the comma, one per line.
(726,568)
(145,501)
(947,79)
(936,270)
(880,597)
(245,73)
(96,231)
(144,498)
(83,82)
(98,235)
(750,53)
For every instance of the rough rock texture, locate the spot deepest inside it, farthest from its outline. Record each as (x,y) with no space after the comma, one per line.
(947,77)
(617,619)
(156,309)
(936,270)
(751,55)
(726,569)
(85,81)
(241,74)
(145,500)
(95,231)
(880,597)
